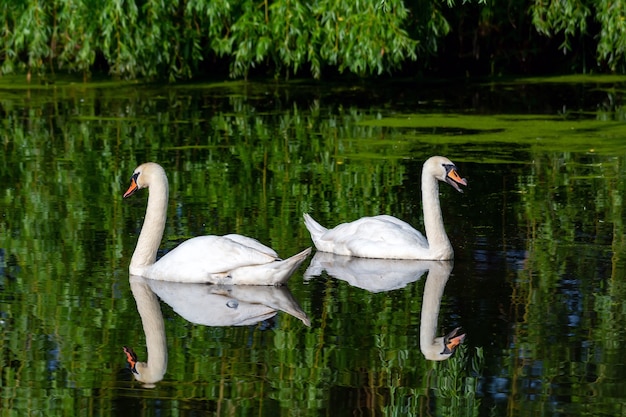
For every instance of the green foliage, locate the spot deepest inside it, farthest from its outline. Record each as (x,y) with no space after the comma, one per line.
(575,17)
(342,41)
(612,37)
(182,38)
(569,17)
(156,38)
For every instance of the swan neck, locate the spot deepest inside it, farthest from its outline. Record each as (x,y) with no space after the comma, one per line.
(153,227)
(438,241)
(431,303)
(149,310)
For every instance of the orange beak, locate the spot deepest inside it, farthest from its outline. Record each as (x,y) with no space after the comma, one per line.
(455,341)
(452,340)
(131,358)
(453,178)
(456,177)
(133,187)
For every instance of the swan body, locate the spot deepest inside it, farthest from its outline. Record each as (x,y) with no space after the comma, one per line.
(373,275)
(227,305)
(387,237)
(231,259)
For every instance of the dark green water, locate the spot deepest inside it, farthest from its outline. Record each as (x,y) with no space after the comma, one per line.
(537,284)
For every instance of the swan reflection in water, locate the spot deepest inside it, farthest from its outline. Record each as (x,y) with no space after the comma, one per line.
(208,305)
(379,275)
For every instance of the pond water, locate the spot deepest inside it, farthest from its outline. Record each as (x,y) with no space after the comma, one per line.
(536,285)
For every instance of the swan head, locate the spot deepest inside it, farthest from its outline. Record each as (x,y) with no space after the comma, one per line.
(443,347)
(141,371)
(444,170)
(144,175)
(452,340)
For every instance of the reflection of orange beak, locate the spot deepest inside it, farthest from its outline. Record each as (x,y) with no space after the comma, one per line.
(133,187)
(131,358)
(455,341)
(452,340)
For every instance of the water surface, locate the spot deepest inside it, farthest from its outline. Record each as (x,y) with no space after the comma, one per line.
(537,284)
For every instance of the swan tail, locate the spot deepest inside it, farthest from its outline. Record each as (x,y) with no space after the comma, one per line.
(315,268)
(315,229)
(290,265)
(272,273)
(312,272)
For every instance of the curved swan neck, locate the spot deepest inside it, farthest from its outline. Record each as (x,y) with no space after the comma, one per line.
(431,301)
(438,275)
(153,224)
(149,310)
(438,241)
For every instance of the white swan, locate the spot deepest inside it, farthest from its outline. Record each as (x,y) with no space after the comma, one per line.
(229,259)
(387,237)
